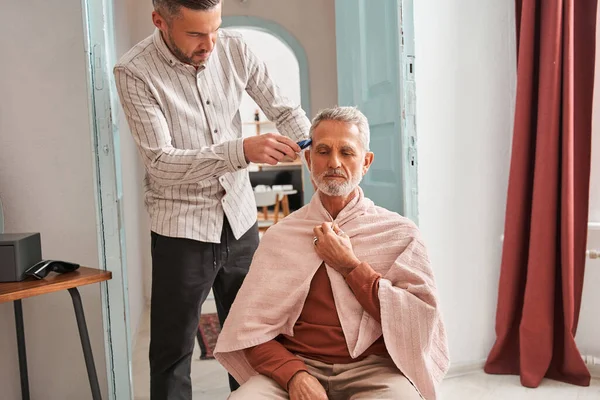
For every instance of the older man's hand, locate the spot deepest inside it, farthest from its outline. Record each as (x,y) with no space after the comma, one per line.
(304,386)
(334,247)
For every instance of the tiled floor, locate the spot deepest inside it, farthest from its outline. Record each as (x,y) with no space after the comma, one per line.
(210,380)
(481,386)
(208,377)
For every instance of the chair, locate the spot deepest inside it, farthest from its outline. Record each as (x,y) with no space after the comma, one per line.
(283,192)
(264,199)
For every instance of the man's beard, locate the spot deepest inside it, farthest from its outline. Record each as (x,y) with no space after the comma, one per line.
(181,56)
(336,189)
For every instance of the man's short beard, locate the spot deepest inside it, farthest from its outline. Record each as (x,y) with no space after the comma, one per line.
(333,188)
(181,56)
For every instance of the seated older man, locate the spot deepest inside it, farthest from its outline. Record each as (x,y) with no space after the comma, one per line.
(340,301)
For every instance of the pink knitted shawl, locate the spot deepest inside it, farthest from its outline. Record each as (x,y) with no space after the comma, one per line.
(273,294)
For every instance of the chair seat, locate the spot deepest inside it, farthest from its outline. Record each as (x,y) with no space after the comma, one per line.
(264,224)
(265,199)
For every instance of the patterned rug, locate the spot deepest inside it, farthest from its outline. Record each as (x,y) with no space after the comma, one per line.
(208,332)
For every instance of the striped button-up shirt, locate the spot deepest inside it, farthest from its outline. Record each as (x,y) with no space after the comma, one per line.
(187,126)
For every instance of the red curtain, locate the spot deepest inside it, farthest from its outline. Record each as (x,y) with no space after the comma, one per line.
(543,258)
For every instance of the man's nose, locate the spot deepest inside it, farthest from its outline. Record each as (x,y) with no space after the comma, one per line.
(209,44)
(334,161)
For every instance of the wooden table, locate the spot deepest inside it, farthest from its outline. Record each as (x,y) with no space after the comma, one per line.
(293,165)
(16,291)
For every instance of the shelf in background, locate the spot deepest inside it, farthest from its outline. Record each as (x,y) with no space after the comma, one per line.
(282,165)
(260,123)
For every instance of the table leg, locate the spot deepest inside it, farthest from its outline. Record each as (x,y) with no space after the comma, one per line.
(286,205)
(21,349)
(266,213)
(85,344)
(276,211)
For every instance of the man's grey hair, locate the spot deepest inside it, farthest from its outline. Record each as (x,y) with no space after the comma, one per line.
(172,7)
(350,115)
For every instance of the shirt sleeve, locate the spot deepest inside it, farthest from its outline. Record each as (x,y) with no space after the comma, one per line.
(289,118)
(364,283)
(273,360)
(164,163)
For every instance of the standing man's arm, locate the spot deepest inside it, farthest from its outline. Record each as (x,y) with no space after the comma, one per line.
(168,165)
(289,118)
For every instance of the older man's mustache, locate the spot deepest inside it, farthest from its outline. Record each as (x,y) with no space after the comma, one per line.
(334,173)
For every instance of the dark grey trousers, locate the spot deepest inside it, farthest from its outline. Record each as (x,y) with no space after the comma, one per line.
(183,272)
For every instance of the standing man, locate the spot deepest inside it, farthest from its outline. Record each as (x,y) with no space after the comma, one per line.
(181,90)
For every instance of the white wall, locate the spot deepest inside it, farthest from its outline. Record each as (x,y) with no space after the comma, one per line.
(137,225)
(588,332)
(465,74)
(595,178)
(47,186)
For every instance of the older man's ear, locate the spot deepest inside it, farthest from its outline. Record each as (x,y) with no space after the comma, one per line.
(307,157)
(369,157)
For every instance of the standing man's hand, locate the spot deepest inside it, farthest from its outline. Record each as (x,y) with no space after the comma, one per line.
(304,386)
(269,148)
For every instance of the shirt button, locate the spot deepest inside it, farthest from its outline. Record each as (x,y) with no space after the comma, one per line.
(216,130)
(207,101)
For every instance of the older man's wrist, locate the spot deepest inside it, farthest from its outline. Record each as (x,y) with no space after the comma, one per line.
(285,373)
(294,377)
(347,270)
(361,273)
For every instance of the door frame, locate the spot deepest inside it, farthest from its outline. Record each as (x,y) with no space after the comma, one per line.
(408,105)
(103,104)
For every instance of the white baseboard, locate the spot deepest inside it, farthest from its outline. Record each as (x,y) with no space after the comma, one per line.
(593,364)
(465,368)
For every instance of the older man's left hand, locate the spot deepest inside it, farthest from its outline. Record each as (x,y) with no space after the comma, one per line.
(334,247)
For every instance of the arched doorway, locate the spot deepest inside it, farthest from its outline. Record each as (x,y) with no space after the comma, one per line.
(279,32)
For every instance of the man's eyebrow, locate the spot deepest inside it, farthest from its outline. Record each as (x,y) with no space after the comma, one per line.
(348,147)
(203,33)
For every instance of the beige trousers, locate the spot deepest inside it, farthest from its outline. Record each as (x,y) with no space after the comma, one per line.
(372,378)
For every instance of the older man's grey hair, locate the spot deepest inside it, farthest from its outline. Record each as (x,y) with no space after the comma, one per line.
(172,7)
(350,115)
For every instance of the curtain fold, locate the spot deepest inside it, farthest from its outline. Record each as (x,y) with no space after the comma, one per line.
(543,259)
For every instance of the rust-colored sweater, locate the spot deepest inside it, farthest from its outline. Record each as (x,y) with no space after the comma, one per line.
(318,332)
